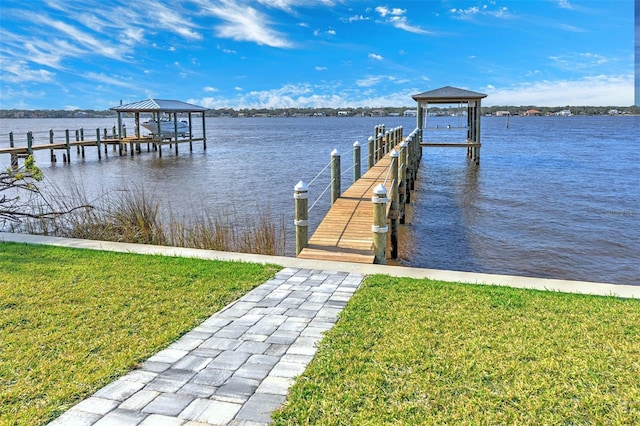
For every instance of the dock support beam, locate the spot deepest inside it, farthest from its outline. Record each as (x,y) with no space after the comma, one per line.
(301,197)
(379,227)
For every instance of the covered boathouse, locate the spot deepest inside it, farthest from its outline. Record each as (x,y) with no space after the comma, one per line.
(164,116)
(454,96)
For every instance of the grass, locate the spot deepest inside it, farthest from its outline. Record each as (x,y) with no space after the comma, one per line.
(133,215)
(73,320)
(422,352)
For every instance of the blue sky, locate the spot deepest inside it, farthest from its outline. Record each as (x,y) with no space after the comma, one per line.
(90,54)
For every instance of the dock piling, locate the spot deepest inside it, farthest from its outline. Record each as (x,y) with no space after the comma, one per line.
(357,168)
(14,157)
(68,146)
(51,154)
(394,213)
(30,142)
(301,197)
(402,179)
(379,227)
(98,143)
(335,176)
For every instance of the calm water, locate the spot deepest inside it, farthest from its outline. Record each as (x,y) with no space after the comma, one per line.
(553,196)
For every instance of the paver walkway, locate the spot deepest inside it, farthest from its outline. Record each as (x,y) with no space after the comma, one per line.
(233,369)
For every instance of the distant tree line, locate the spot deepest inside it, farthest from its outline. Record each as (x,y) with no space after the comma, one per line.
(329,112)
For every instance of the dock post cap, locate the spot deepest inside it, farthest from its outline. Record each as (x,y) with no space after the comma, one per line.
(356,143)
(335,153)
(370,138)
(394,153)
(403,144)
(301,186)
(380,190)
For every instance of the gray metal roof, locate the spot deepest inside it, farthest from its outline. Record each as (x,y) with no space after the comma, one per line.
(448,94)
(163,105)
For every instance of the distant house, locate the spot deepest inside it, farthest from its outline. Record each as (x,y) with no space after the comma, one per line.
(502,113)
(532,112)
(564,113)
(343,113)
(410,113)
(377,113)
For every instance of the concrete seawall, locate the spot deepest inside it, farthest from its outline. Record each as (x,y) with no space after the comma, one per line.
(565,286)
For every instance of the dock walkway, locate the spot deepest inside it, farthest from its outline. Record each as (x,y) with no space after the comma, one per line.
(345,232)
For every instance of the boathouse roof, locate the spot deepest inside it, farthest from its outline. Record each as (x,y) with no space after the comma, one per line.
(448,94)
(162,105)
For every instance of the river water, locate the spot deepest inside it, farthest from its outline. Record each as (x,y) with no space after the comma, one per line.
(555,197)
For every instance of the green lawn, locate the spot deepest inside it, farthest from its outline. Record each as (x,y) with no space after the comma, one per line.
(73,320)
(423,352)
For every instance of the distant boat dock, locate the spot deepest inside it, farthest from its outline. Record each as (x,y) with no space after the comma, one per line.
(164,112)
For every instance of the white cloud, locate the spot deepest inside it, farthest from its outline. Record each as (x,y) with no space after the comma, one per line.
(369,81)
(209,89)
(81,38)
(385,11)
(564,4)
(318,68)
(166,17)
(473,11)
(600,90)
(19,72)
(356,18)
(111,81)
(375,56)
(396,18)
(244,23)
(580,61)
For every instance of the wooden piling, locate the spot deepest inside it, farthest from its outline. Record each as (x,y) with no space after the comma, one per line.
(371,157)
(357,168)
(394,212)
(30,142)
(52,156)
(14,157)
(335,176)
(379,227)
(402,180)
(301,197)
(98,143)
(68,146)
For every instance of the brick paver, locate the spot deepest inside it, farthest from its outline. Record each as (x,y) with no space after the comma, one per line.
(233,369)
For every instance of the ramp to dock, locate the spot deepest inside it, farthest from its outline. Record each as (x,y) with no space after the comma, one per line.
(345,233)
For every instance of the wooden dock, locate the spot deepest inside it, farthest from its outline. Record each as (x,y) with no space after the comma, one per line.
(101,141)
(345,234)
